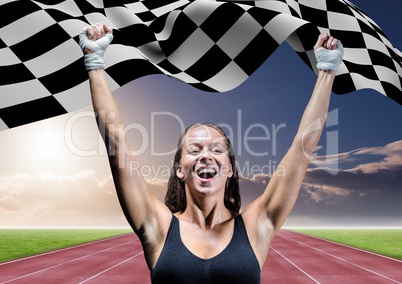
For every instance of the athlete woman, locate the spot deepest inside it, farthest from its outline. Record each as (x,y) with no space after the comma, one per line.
(199,235)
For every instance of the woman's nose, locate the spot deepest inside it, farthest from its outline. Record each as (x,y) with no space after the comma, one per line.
(206,154)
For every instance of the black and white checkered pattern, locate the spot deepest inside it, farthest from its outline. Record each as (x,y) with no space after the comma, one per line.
(211,45)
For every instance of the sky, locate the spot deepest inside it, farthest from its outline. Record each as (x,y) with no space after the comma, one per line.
(54,173)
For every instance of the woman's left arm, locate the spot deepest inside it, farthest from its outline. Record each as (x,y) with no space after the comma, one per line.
(265,215)
(281,193)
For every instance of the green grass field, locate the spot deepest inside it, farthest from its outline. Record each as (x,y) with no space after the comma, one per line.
(17,243)
(382,241)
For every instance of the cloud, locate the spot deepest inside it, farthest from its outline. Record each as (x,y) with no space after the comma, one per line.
(43,198)
(392,160)
(389,157)
(369,186)
(320,193)
(384,174)
(368,190)
(376,169)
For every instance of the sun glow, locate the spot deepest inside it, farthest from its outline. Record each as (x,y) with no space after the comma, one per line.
(46,143)
(42,147)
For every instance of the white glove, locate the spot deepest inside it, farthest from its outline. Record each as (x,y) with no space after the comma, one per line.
(94,59)
(329,59)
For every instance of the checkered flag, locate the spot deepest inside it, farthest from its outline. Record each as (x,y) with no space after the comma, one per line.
(211,45)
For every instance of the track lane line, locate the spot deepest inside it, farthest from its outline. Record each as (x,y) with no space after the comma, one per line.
(292,263)
(341,259)
(110,268)
(347,246)
(60,264)
(60,250)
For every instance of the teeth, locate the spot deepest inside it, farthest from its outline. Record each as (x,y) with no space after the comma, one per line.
(206,172)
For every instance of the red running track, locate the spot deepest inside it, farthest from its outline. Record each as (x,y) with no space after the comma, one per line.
(293,258)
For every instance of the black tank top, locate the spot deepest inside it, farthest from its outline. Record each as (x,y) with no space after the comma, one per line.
(237,263)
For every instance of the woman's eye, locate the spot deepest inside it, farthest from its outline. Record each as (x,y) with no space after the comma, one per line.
(193,152)
(217,151)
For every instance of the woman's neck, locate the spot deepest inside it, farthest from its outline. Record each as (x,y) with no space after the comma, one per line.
(205,215)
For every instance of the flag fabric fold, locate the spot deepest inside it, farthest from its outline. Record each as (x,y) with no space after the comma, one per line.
(212,45)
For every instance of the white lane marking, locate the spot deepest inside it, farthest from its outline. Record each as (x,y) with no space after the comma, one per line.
(60,250)
(341,259)
(292,263)
(60,264)
(343,245)
(110,268)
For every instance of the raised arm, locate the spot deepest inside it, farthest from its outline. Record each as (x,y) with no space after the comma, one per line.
(267,213)
(144,212)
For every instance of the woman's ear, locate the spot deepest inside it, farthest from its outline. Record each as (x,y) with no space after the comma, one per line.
(230,171)
(179,172)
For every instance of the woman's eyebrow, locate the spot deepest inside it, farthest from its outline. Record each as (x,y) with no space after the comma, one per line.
(220,142)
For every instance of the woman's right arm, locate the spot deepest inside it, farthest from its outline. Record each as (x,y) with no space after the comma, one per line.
(140,207)
(148,216)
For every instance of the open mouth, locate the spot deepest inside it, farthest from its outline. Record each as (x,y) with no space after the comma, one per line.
(206,173)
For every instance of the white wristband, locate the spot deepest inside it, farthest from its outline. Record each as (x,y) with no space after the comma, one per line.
(94,59)
(329,59)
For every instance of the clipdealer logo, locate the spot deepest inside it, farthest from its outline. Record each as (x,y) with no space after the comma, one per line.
(328,162)
(242,139)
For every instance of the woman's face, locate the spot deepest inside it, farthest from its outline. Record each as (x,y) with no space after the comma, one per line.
(205,165)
